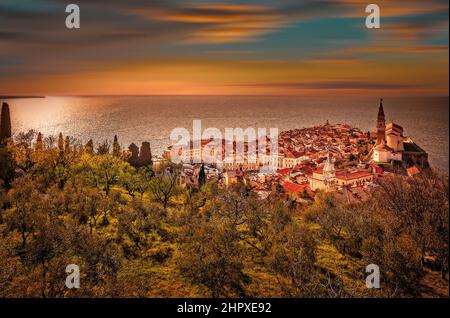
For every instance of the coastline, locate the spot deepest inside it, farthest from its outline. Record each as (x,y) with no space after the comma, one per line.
(20,97)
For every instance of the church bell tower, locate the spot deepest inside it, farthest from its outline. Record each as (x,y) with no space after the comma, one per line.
(381,125)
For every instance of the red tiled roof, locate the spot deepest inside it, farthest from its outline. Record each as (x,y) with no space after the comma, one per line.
(294,154)
(354,175)
(307,169)
(289,154)
(285,171)
(293,187)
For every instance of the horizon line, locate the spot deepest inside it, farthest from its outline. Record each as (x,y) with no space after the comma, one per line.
(212,95)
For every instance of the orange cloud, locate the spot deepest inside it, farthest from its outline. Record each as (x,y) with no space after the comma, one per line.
(393,50)
(219,77)
(220,23)
(390,8)
(411,31)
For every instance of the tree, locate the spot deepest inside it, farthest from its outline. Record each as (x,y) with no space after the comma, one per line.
(7,166)
(61,143)
(135,181)
(10,268)
(89,147)
(410,201)
(402,222)
(100,258)
(145,155)
(22,149)
(418,207)
(292,258)
(103,148)
(399,258)
(163,186)
(330,214)
(116,147)
(212,257)
(67,146)
(25,204)
(437,221)
(134,157)
(47,246)
(101,171)
(50,141)
(5,124)
(138,227)
(91,199)
(39,142)
(202,176)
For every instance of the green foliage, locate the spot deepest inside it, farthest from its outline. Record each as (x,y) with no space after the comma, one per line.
(101,171)
(163,186)
(404,221)
(292,255)
(7,166)
(137,233)
(212,256)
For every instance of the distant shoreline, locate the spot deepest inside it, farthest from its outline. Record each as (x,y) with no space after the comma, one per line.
(20,97)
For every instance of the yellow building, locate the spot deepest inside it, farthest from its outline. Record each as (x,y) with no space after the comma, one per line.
(327,178)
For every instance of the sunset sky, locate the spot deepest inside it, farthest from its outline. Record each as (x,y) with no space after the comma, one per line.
(273,47)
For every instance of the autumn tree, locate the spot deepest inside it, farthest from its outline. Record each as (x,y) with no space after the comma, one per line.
(11,267)
(202,176)
(418,208)
(104,148)
(25,204)
(101,171)
(292,258)
(67,146)
(89,147)
(139,225)
(100,261)
(23,150)
(116,151)
(61,143)
(7,165)
(39,146)
(163,186)
(212,257)
(134,155)
(50,141)
(5,124)
(145,155)
(47,246)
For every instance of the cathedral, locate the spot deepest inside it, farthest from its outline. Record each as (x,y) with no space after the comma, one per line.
(389,146)
(328,178)
(392,146)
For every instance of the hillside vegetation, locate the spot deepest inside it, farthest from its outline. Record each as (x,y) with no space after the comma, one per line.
(134,232)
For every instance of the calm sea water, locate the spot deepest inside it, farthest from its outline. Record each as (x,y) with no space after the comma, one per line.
(137,119)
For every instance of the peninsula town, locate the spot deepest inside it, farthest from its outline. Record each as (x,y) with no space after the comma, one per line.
(331,157)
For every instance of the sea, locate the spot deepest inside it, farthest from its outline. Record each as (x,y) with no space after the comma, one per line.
(153,118)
